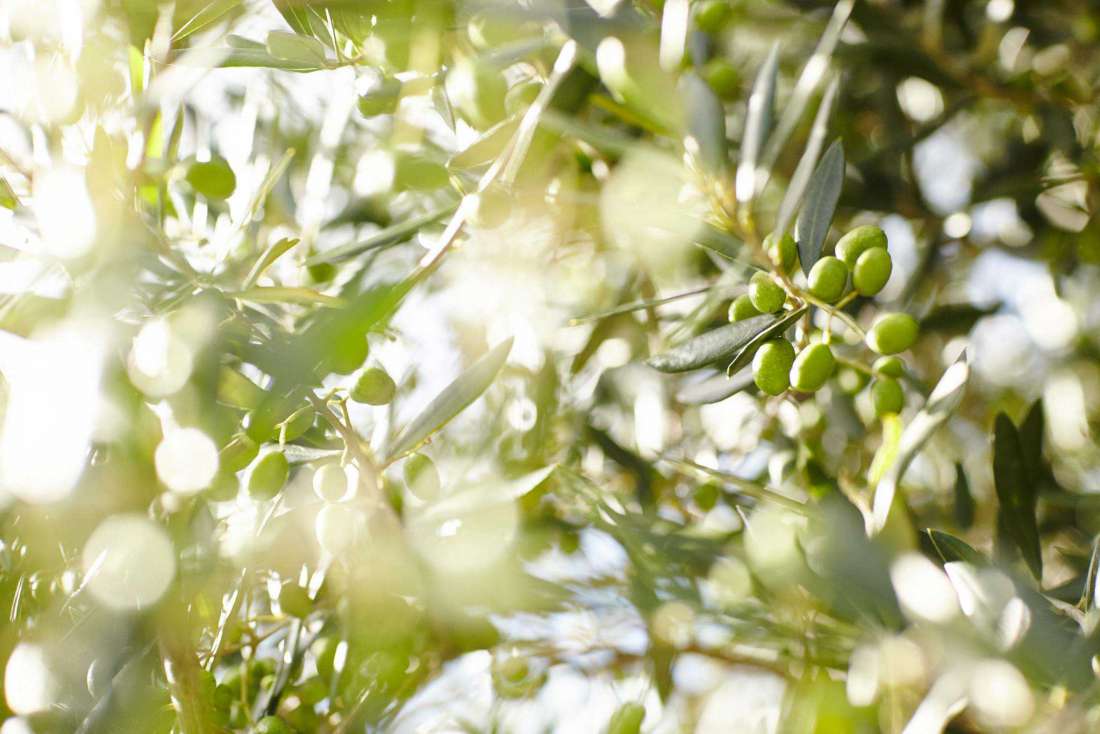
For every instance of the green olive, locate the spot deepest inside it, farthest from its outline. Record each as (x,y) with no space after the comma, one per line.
(272,725)
(851,381)
(374,387)
(238,453)
(706,496)
(627,719)
(872,271)
(813,366)
(421,477)
(771,367)
(349,354)
(723,78)
(887,396)
(858,241)
(311,691)
(294,600)
(741,308)
(224,487)
(712,15)
(892,333)
(889,366)
(269,474)
(783,251)
(827,279)
(330,482)
(767,296)
(298,423)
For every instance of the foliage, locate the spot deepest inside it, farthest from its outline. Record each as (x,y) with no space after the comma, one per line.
(410,365)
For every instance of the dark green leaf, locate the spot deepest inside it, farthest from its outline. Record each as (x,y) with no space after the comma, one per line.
(822,194)
(955,318)
(952,549)
(713,346)
(213,179)
(964,501)
(714,389)
(706,123)
(391,235)
(745,355)
(758,122)
(1031,442)
(452,401)
(1017,495)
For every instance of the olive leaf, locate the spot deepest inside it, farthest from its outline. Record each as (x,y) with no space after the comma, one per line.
(822,194)
(943,401)
(706,123)
(391,235)
(1031,442)
(714,389)
(454,398)
(1017,528)
(269,256)
(964,501)
(952,549)
(275,294)
(758,121)
(302,51)
(745,355)
(711,346)
(802,172)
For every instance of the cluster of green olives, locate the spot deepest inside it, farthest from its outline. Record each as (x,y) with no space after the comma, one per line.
(777,367)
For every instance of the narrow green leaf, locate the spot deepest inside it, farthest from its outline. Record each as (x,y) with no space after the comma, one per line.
(466,388)
(796,188)
(636,306)
(209,14)
(8,199)
(712,346)
(964,501)
(391,235)
(250,57)
(758,120)
(745,355)
(1016,523)
(822,194)
(300,50)
(267,259)
(705,137)
(214,179)
(952,549)
(943,401)
(714,389)
(1031,442)
(303,296)
(488,147)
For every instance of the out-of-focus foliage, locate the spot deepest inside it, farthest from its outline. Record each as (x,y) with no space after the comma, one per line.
(416,365)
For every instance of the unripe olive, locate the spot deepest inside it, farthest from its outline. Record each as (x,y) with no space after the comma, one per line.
(421,477)
(723,78)
(872,271)
(294,600)
(298,423)
(712,15)
(812,367)
(858,241)
(330,482)
(272,725)
(312,691)
(269,474)
(827,279)
(888,366)
(851,381)
(324,656)
(892,333)
(374,387)
(381,100)
(706,496)
(520,96)
(238,453)
(783,251)
(627,719)
(349,354)
(224,487)
(887,396)
(767,296)
(741,308)
(321,272)
(771,367)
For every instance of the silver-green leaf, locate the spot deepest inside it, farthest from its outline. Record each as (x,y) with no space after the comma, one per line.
(712,346)
(817,212)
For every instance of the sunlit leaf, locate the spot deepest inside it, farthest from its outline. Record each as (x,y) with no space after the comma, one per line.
(454,398)
(796,188)
(303,51)
(706,123)
(270,255)
(213,179)
(758,122)
(8,199)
